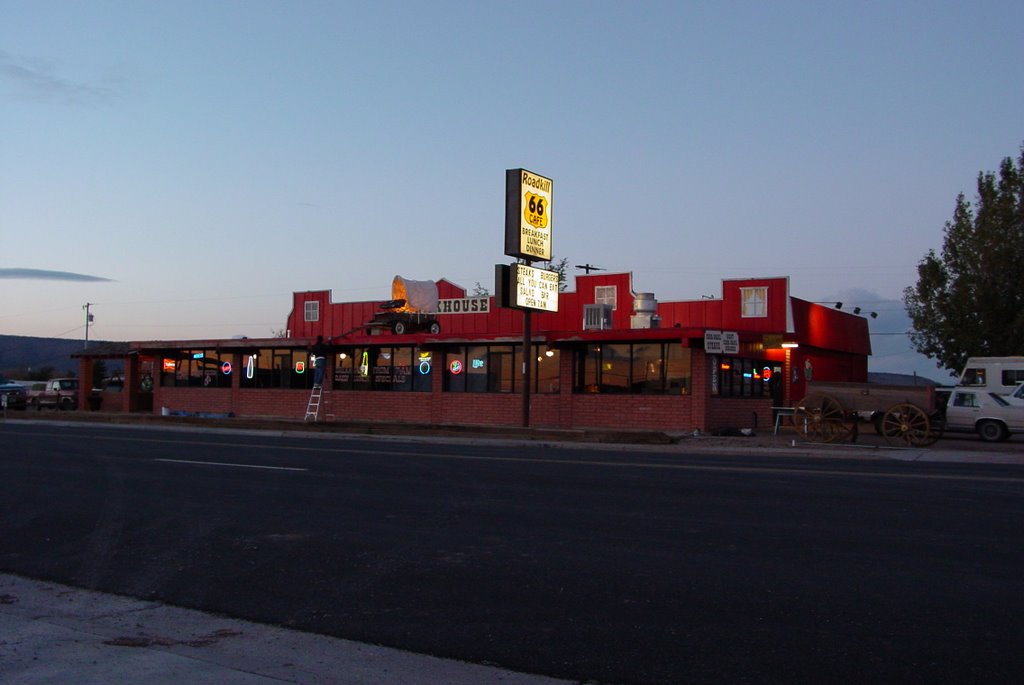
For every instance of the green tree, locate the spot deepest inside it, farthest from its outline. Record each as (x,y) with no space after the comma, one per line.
(560,267)
(969,301)
(99,373)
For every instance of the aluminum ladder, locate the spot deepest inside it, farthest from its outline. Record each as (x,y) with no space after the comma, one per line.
(313,408)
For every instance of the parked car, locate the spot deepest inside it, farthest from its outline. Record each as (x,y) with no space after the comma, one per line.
(1017,396)
(56,393)
(12,394)
(988,414)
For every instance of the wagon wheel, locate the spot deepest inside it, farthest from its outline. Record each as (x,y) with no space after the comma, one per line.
(907,424)
(820,418)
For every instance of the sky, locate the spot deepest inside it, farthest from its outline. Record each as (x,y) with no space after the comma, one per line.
(184,167)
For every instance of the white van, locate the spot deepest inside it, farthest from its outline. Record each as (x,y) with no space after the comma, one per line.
(1000,375)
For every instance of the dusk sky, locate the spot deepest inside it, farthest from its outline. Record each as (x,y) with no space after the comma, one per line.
(185,166)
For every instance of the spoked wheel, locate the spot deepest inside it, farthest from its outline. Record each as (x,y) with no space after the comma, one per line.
(908,425)
(820,418)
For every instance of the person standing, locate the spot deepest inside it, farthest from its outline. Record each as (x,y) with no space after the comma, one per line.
(319,357)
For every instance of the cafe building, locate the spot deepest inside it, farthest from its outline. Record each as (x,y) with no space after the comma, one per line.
(609,357)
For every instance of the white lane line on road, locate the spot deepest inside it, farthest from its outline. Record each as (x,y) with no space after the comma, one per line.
(772,470)
(223,463)
(675,466)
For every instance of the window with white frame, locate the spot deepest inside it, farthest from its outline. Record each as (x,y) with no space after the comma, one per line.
(754,302)
(312,311)
(605,294)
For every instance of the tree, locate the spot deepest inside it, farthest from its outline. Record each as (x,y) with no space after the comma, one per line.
(559,267)
(480,291)
(99,373)
(970,300)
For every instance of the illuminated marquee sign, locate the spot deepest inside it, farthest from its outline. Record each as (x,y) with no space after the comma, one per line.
(527,215)
(526,287)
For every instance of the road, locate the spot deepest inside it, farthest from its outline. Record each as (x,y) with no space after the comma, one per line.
(603,565)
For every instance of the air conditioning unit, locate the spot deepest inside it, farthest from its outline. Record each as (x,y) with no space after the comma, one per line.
(597,317)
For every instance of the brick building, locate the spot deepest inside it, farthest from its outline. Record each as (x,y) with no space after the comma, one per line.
(609,357)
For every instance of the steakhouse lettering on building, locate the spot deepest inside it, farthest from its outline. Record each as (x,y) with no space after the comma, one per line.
(464,305)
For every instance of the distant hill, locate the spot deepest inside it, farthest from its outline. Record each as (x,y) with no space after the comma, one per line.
(899,379)
(20,355)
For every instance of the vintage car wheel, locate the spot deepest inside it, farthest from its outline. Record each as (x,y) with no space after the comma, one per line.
(399,328)
(435,328)
(992,431)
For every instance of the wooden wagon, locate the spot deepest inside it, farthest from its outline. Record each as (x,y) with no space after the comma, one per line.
(903,415)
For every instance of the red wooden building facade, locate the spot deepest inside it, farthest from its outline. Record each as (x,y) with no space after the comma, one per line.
(609,357)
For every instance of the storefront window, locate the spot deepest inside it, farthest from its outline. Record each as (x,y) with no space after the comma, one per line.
(677,369)
(423,369)
(455,369)
(476,368)
(275,368)
(648,369)
(739,377)
(498,368)
(199,368)
(501,369)
(642,368)
(548,373)
(383,368)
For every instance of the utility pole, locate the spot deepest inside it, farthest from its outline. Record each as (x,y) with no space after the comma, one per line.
(88,320)
(588,267)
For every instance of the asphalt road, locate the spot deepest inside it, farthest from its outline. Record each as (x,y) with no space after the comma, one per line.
(600,565)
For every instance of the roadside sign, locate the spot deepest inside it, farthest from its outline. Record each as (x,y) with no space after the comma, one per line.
(527,215)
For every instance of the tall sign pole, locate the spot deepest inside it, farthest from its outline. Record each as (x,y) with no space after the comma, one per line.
(88,320)
(528,239)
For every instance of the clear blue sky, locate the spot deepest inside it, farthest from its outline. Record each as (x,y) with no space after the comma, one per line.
(210,158)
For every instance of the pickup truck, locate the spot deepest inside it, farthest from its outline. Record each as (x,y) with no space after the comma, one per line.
(12,395)
(56,393)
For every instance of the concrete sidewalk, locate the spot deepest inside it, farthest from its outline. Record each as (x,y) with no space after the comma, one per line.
(52,633)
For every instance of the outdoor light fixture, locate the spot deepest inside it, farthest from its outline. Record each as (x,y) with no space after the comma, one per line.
(856,310)
(874,315)
(790,345)
(839,305)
